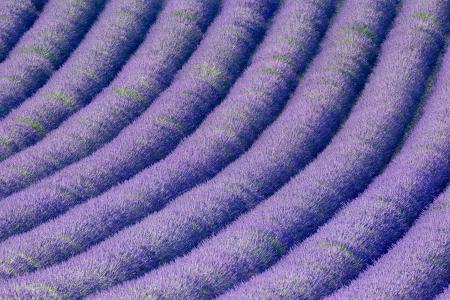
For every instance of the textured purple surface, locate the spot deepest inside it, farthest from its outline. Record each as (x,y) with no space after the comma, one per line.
(254,241)
(444,295)
(107,45)
(365,227)
(240,149)
(417,266)
(15,19)
(48,242)
(173,116)
(59,28)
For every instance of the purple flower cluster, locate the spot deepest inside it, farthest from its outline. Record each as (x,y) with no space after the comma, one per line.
(92,65)
(248,113)
(369,224)
(254,241)
(229,149)
(42,49)
(417,266)
(15,19)
(199,86)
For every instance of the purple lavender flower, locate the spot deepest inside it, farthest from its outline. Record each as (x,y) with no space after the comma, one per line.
(93,64)
(365,228)
(417,267)
(256,240)
(238,149)
(42,49)
(15,18)
(248,112)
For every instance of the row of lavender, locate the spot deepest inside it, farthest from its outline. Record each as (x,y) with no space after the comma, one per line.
(108,44)
(321,264)
(42,49)
(222,128)
(239,164)
(365,228)
(16,18)
(199,86)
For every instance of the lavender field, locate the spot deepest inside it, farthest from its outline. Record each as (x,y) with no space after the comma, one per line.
(224,149)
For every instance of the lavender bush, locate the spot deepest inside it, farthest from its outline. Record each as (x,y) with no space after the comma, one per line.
(41,50)
(15,18)
(169,43)
(108,44)
(208,73)
(257,239)
(417,267)
(365,228)
(40,243)
(229,149)
(255,113)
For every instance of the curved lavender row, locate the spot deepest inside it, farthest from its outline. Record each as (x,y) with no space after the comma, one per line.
(417,267)
(303,21)
(42,49)
(149,71)
(444,295)
(257,239)
(49,242)
(200,86)
(15,18)
(247,18)
(119,30)
(365,228)
(93,64)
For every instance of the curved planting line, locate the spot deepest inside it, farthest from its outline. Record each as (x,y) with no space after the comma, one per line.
(237,29)
(150,70)
(257,239)
(201,85)
(365,228)
(118,31)
(417,267)
(222,191)
(42,49)
(16,16)
(296,20)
